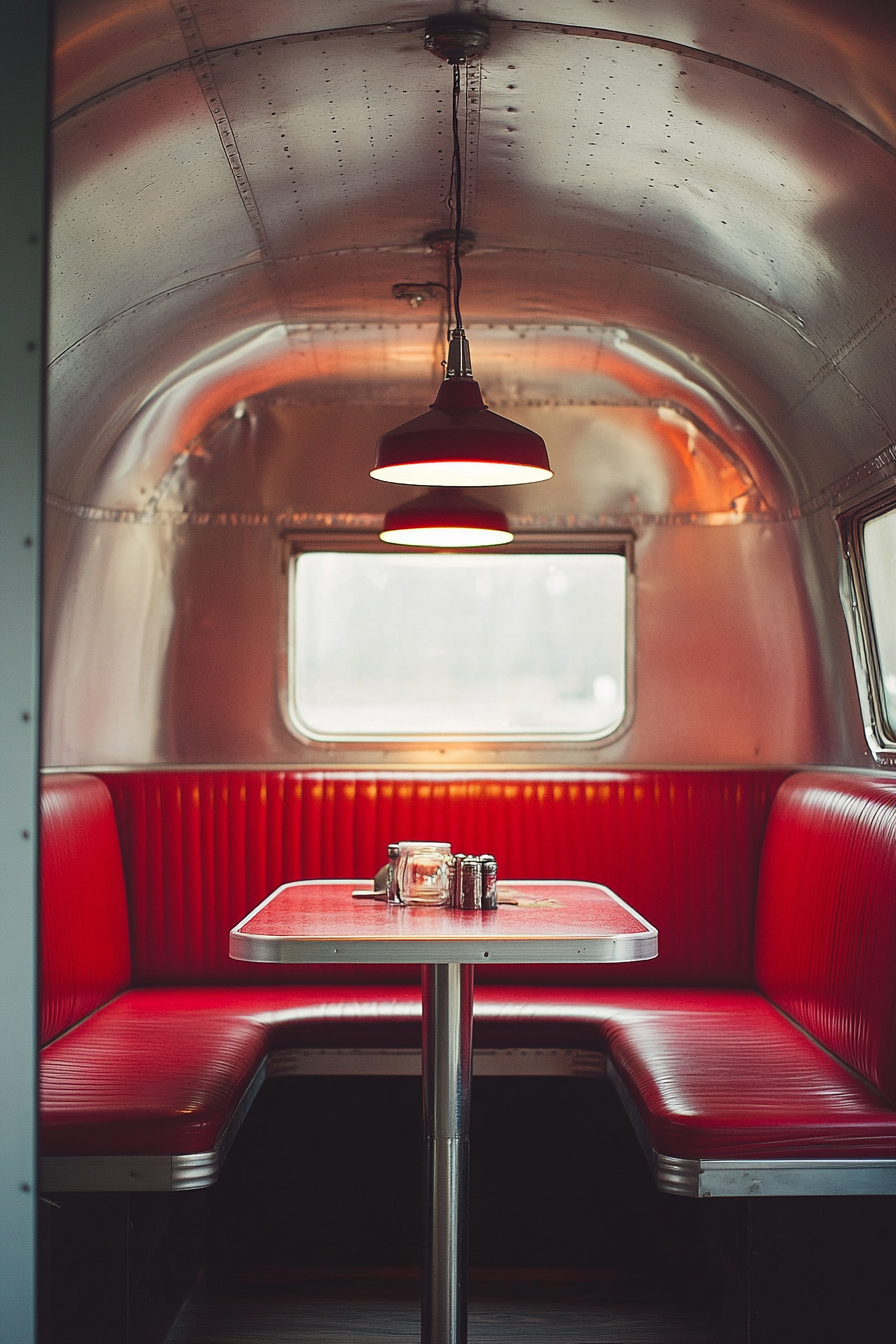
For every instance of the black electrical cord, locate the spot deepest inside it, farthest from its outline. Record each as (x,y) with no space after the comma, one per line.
(457,192)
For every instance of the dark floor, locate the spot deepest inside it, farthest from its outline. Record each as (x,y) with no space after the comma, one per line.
(314,1233)
(380,1313)
(569,1240)
(327,1171)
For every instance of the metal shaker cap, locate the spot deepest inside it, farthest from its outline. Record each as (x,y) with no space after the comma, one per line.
(471,884)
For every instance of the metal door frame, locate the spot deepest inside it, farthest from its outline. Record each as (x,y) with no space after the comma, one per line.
(24,61)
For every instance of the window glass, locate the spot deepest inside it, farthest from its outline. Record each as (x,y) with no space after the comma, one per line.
(487,646)
(879,549)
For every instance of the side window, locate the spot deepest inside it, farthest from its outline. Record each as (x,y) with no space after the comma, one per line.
(413,646)
(868,534)
(878,548)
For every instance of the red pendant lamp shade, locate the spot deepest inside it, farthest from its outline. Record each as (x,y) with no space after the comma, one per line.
(459,441)
(446,517)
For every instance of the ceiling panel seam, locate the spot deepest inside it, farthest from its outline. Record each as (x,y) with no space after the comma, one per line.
(372,522)
(849,345)
(521,25)
(878,468)
(97,99)
(833,366)
(213,53)
(707,58)
(472,108)
(881,467)
(790,319)
(828,371)
(202,69)
(160,296)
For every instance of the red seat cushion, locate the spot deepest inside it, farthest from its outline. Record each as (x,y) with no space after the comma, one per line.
(714,1073)
(557,1016)
(160,1071)
(84,922)
(826,917)
(723,1074)
(148,1073)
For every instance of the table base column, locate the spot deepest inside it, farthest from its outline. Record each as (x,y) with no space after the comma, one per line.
(447,1072)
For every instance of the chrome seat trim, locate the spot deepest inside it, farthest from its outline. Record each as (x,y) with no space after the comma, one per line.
(795,1176)
(510,1063)
(677,1175)
(193,1171)
(105,1173)
(727,1178)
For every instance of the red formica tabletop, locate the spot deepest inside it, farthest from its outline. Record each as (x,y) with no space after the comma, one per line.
(323,922)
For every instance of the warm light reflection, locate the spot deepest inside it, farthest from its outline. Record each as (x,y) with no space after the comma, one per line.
(446,536)
(461,473)
(333,374)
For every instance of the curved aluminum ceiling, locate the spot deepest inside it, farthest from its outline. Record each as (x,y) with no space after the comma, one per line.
(714,179)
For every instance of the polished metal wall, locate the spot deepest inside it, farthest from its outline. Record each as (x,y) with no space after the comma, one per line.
(174,616)
(689,208)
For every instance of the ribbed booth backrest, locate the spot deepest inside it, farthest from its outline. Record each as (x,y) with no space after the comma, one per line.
(826,917)
(201,849)
(84,920)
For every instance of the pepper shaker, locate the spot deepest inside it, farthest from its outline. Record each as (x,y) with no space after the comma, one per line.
(456,862)
(392,875)
(489,881)
(470,884)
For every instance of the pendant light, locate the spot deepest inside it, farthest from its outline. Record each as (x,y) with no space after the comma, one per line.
(459,441)
(446,517)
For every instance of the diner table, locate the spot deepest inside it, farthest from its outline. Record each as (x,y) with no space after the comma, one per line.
(323,922)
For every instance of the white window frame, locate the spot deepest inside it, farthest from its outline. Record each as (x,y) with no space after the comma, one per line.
(879,734)
(547,543)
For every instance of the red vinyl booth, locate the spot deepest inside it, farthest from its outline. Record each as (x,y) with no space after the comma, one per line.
(762,1035)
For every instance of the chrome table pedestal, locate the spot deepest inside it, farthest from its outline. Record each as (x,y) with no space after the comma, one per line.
(447,1075)
(562,922)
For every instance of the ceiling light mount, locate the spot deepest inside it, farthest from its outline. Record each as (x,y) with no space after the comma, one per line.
(456,38)
(443,240)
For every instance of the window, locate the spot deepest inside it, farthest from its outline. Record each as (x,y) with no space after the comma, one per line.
(879,556)
(394,646)
(868,533)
